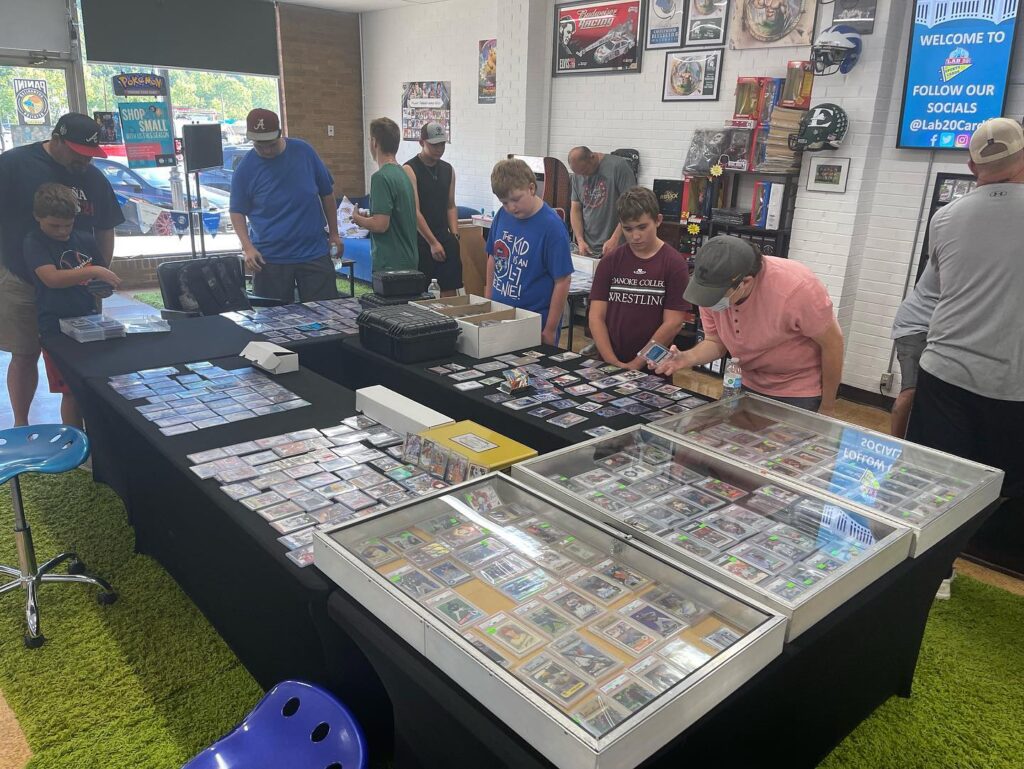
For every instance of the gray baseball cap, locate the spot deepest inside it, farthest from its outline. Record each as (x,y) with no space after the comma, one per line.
(433,133)
(719,265)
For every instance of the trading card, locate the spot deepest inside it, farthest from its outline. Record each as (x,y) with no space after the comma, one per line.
(419,483)
(355,500)
(202,457)
(740,568)
(498,397)
(458,469)
(562,357)
(488,651)
(511,634)
(698,497)
(823,563)
(554,679)
(623,493)
(726,525)
(311,500)
(795,537)
(412,582)
(526,585)
(439,370)
(502,568)
(332,489)
(590,660)
(598,716)
(454,608)
(301,471)
(317,480)
(582,389)
(654,486)
(683,540)
(619,573)
(578,549)
(505,513)
(403,541)
(562,404)
(382,490)
(449,572)
(491,380)
(628,692)
(463,376)
(280,510)
(541,413)
(239,491)
(376,552)
(299,538)
(600,431)
(722,638)
(588,408)
(482,498)
(720,488)
(635,472)
(481,552)
(186,427)
(762,559)
(359,421)
(574,604)
(786,588)
(292,523)
(263,500)
(567,420)
(748,518)
(547,397)
(622,403)
(675,604)
(603,501)
(493,365)
(683,655)
(521,403)
(301,556)
(709,536)
(462,534)
(543,531)
(548,619)
(593,478)
(466,386)
(241,448)
(598,587)
(657,673)
(553,560)
(441,523)
(428,553)
(630,637)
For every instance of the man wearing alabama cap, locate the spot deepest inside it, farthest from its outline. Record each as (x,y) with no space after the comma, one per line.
(774,315)
(437,218)
(970,390)
(282,208)
(65,159)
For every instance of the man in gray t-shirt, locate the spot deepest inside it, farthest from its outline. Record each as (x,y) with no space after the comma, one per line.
(970,392)
(598,181)
(910,335)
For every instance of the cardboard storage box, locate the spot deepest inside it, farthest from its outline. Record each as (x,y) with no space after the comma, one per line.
(517,330)
(401,414)
(485,449)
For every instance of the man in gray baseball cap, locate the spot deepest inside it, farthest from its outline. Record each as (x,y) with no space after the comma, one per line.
(771,314)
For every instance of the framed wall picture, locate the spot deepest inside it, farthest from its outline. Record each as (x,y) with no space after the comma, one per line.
(665,23)
(772,23)
(828,174)
(706,21)
(859,14)
(692,75)
(598,37)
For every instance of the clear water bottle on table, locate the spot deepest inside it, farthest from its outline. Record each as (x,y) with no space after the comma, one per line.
(732,379)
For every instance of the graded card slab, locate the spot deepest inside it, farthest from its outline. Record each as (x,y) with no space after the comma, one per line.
(720,488)
(553,678)
(301,556)
(239,491)
(376,552)
(762,559)
(505,513)
(701,535)
(574,604)
(280,510)
(597,716)
(652,618)
(462,534)
(466,386)
(628,692)
(526,585)
(503,568)
(428,553)
(675,604)
(543,531)
(483,499)
(546,618)
(455,609)
(619,573)
(596,586)
(657,673)
(722,638)
(413,583)
(577,549)
(584,656)
(294,523)
(481,552)
(600,431)
(740,568)
(625,634)
(263,500)
(512,634)
(403,540)
(300,538)
(553,561)
(683,655)
(567,420)
(450,573)
(541,413)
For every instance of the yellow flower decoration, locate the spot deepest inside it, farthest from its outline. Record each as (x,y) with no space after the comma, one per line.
(716,170)
(693,229)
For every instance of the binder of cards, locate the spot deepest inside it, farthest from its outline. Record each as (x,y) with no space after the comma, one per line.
(407,334)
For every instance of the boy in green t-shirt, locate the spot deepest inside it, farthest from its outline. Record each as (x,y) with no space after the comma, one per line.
(392,219)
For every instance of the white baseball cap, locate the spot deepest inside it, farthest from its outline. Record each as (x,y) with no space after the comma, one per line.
(1003,135)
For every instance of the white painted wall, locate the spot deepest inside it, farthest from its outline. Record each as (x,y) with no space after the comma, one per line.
(861,244)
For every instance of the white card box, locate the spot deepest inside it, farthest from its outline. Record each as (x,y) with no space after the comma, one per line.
(271,358)
(397,412)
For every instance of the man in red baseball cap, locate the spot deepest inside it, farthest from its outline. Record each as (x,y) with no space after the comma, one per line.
(283,211)
(65,159)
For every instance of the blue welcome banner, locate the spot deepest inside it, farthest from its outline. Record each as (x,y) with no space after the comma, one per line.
(957,70)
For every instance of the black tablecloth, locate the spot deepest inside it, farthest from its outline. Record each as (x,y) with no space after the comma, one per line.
(791,714)
(353,366)
(225,557)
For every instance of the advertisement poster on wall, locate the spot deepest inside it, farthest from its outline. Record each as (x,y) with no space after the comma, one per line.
(705,22)
(32,102)
(598,37)
(148,134)
(772,23)
(957,71)
(665,23)
(692,75)
(422,102)
(487,62)
(139,84)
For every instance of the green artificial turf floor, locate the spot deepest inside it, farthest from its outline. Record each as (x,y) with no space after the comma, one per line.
(147,683)
(153,298)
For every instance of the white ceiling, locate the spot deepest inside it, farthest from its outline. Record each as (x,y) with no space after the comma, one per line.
(360,6)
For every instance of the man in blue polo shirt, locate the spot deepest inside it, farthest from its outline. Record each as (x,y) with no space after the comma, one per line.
(286,192)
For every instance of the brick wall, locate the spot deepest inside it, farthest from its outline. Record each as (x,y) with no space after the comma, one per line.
(321,83)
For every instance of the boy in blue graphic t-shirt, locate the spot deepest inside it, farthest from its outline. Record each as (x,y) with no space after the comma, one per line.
(528,262)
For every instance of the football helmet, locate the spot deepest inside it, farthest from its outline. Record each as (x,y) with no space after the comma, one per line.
(823,127)
(837,49)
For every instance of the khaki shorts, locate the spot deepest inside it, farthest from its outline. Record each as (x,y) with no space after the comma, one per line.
(19,332)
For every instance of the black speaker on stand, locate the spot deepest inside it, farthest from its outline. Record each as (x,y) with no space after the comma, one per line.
(202,148)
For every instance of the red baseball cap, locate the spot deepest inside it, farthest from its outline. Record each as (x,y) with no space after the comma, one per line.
(262,125)
(81,133)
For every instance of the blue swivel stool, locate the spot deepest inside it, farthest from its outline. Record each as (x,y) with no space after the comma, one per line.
(296,725)
(41,449)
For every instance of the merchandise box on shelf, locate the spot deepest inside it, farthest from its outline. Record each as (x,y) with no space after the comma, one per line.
(927,491)
(800,554)
(592,647)
(485,449)
(796,92)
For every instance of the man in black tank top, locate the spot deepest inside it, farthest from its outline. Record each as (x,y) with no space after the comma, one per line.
(437,219)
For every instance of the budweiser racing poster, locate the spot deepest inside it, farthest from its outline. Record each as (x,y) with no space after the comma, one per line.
(598,37)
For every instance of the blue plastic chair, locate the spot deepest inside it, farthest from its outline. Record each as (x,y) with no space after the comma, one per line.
(296,725)
(41,449)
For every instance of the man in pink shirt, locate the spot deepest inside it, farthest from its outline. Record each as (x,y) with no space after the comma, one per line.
(774,315)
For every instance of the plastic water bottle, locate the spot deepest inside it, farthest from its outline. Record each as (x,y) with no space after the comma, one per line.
(732,379)
(435,289)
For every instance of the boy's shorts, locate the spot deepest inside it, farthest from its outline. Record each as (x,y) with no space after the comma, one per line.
(54,377)
(19,331)
(908,353)
(447,273)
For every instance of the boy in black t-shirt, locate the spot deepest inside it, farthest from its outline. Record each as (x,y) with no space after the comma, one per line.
(60,259)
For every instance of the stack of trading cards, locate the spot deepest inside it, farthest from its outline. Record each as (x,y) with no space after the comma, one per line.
(203,395)
(767,535)
(571,391)
(295,322)
(302,479)
(585,629)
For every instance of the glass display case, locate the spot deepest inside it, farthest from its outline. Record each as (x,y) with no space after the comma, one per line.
(594,648)
(928,491)
(790,549)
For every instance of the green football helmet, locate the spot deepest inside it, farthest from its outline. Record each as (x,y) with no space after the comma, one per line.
(823,127)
